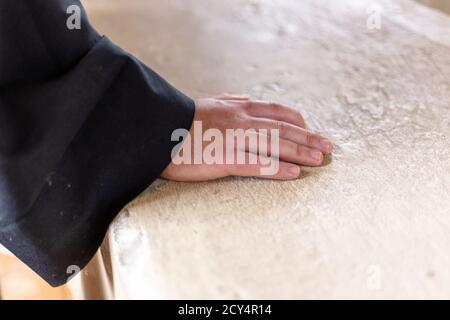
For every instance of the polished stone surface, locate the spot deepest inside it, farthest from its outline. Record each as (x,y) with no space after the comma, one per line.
(373,223)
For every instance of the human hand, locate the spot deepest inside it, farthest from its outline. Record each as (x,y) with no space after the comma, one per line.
(296,144)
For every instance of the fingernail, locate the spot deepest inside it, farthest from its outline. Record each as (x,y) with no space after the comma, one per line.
(326,144)
(294,171)
(316,155)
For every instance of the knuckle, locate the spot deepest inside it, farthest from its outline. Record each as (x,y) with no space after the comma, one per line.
(309,138)
(274,107)
(248,106)
(299,150)
(245,122)
(281,126)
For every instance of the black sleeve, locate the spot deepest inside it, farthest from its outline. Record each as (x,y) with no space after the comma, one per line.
(84,128)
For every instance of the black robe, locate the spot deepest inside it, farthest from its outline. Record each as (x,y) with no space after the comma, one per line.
(84,128)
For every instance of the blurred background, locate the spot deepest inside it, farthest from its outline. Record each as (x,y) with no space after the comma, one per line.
(443,5)
(18,282)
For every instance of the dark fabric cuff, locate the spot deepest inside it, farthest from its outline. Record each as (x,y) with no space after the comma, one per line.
(122,146)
